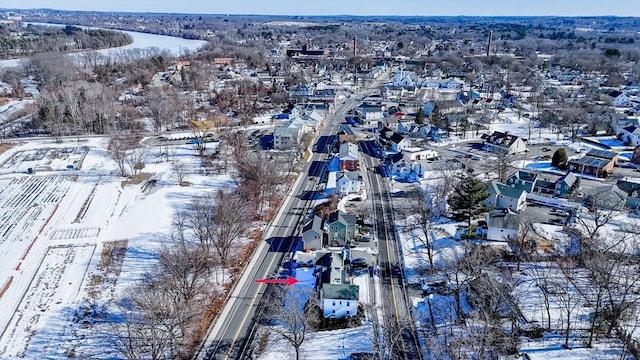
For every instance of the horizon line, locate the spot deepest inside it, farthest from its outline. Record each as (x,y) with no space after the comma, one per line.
(327,15)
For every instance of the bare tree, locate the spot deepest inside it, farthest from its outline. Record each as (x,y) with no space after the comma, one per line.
(219,221)
(119,150)
(567,294)
(521,246)
(295,312)
(423,216)
(163,105)
(179,171)
(136,159)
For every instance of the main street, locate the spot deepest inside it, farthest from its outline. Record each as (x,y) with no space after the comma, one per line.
(228,337)
(399,335)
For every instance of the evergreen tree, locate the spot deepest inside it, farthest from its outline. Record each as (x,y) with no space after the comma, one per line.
(559,158)
(420,116)
(466,200)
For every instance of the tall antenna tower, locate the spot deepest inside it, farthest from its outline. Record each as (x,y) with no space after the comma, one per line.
(489,43)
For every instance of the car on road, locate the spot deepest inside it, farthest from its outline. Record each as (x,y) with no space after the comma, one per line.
(359,263)
(545,149)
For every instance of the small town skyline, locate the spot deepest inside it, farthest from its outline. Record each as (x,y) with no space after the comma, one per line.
(353,7)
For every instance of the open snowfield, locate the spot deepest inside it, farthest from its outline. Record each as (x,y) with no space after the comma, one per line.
(56,226)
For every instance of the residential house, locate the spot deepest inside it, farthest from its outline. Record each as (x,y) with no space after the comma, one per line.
(630,135)
(341,228)
(301,91)
(502,225)
(522,179)
(339,300)
(502,196)
(406,79)
(286,137)
(608,197)
(632,187)
(312,234)
(619,124)
(403,169)
(394,141)
(504,143)
(349,182)
(349,156)
(618,98)
(392,123)
(566,185)
(370,115)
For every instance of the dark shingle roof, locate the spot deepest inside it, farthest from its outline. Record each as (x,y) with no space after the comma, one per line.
(341,292)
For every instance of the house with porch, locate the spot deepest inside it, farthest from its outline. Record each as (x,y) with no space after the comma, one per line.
(566,185)
(349,182)
(370,115)
(630,135)
(403,169)
(286,137)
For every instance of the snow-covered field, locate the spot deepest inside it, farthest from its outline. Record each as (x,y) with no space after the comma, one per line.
(56,226)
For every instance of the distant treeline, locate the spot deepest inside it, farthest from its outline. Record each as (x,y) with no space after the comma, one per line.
(37,39)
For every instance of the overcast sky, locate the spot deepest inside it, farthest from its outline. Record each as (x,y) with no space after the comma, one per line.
(348,7)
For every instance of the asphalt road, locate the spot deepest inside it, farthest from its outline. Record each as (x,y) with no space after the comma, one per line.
(399,334)
(230,336)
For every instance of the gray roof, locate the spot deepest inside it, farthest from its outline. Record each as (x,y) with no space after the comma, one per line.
(347,219)
(341,291)
(351,175)
(504,219)
(348,149)
(590,161)
(608,197)
(506,190)
(604,154)
(315,224)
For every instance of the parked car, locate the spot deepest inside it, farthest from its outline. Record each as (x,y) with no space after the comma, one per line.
(359,263)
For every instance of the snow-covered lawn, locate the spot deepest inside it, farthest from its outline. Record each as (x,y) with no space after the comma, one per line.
(55,224)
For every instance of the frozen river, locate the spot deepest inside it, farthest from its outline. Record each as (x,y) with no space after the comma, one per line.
(141,41)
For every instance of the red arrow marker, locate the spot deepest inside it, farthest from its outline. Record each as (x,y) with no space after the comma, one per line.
(289,281)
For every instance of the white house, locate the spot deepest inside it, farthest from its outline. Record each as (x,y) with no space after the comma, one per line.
(502,196)
(349,182)
(339,300)
(369,114)
(286,137)
(504,143)
(404,169)
(502,225)
(618,98)
(630,135)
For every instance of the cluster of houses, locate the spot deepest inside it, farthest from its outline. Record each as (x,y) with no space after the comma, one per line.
(330,240)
